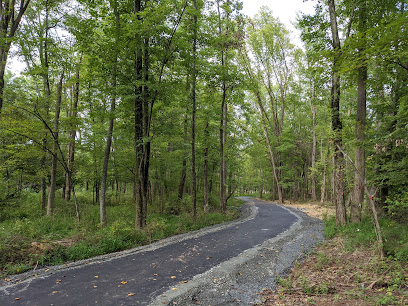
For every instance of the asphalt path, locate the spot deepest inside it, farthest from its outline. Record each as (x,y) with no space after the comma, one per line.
(139,276)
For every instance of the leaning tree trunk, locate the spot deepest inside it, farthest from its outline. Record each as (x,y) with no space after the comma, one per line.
(336,122)
(53,183)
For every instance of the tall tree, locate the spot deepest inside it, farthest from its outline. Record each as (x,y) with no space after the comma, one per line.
(10,18)
(359,177)
(193,116)
(336,121)
(73,114)
(103,218)
(55,149)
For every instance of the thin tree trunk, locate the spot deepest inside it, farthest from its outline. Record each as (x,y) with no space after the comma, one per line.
(102,203)
(223,168)
(223,126)
(205,174)
(336,122)
(138,125)
(271,153)
(193,119)
(53,183)
(71,144)
(313,175)
(47,89)
(184,165)
(359,176)
(324,178)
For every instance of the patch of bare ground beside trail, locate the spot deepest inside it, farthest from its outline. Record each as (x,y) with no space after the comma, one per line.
(313,209)
(332,275)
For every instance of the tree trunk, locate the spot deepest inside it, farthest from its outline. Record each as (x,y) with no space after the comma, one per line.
(102,203)
(53,183)
(359,176)
(184,166)
(47,89)
(71,144)
(336,122)
(223,123)
(313,175)
(205,174)
(223,168)
(193,119)
(324,178)
(138,126)
(271,153)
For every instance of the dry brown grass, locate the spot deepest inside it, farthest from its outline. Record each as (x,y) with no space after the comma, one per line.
(314,209)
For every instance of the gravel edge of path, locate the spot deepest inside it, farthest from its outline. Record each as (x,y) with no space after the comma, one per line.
(239,280)
(248,212)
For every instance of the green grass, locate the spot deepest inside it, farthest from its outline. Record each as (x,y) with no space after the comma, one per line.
(25,225)
(395,235)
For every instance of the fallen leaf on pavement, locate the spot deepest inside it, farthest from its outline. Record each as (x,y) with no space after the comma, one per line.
(123,282)
(131,294)
(173,277)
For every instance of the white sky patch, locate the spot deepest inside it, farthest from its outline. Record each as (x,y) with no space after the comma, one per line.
(285,10)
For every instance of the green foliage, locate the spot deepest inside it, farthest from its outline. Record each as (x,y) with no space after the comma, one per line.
(363,234)
(36,240)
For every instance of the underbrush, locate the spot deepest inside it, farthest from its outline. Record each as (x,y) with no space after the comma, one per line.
(31,240)
(347,268)
(395,235)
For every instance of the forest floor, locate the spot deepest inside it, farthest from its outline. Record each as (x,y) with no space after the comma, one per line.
(338,274)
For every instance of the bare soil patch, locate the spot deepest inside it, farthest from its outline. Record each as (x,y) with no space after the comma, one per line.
(313,209)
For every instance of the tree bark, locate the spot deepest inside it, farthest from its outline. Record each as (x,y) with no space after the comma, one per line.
(205,174)
(336,122)
(184,165)
(193,119)
(102,203)
(223,167)
(72,135)
(223,120)
(138,185)
(313,175)
(271,153)
(324,178)
(53,183)
(359,176)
